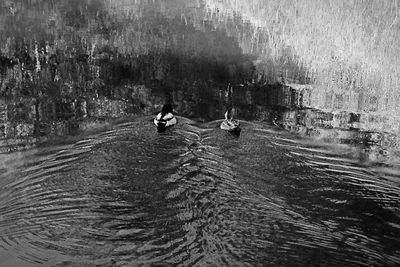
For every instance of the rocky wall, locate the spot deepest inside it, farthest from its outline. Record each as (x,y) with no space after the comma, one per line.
(25,122)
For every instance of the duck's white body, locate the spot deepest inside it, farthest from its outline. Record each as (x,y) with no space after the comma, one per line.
(229,125)
(165,121)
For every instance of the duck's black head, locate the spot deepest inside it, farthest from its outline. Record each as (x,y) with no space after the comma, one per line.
(167,108)
(230,112)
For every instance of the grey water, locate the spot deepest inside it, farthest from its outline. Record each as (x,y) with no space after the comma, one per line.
(197,196)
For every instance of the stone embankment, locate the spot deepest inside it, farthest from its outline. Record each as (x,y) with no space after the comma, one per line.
(28,121)
(294,109)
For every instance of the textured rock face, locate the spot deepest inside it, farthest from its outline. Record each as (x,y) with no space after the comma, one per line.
(24,122)
(67,61)
(63,62)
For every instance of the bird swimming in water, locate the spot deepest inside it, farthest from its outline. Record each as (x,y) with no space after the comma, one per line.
(229,124)
(165,118)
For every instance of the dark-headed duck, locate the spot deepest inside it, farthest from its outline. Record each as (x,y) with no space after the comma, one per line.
(165,118)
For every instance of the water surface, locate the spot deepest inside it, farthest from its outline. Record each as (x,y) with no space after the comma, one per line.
(197,196)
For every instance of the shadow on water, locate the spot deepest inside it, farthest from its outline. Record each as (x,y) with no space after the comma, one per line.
(195,195)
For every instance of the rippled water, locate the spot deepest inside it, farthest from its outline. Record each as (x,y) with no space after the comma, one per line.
(196,196)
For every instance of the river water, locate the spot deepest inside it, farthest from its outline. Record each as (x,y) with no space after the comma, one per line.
(197,196)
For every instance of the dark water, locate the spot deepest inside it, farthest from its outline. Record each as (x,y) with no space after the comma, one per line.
(196,196)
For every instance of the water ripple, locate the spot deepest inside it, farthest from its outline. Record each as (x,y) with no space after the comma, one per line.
(197,196)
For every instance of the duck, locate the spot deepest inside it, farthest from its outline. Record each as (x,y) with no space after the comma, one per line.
(229,124)
(165,118)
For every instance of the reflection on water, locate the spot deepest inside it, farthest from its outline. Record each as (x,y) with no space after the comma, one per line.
(197,196)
